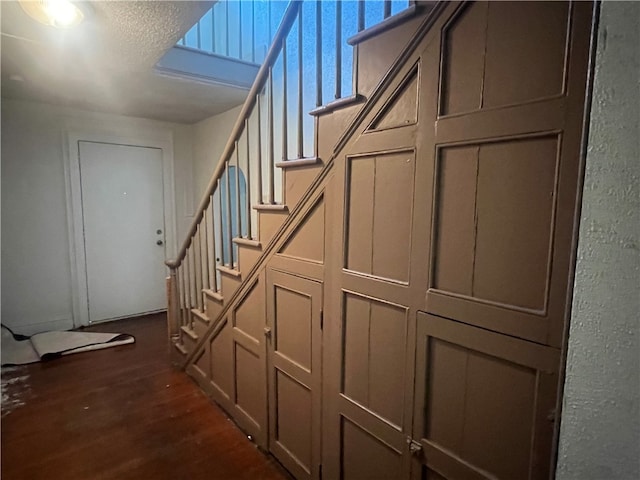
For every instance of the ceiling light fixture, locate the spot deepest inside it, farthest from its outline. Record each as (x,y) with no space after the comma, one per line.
(57,13)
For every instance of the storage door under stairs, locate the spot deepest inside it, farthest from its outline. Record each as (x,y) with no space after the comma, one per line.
(449,266)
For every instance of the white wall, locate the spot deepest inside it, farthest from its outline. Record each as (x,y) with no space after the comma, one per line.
(600,430)
(209,139)
(36,269)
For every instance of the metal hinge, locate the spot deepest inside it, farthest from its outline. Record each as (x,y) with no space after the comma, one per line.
(320,471)
(321,319)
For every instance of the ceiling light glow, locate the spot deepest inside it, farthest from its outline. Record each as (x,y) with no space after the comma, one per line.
(57,13)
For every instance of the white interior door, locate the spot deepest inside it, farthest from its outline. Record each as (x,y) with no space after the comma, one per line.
(124,232)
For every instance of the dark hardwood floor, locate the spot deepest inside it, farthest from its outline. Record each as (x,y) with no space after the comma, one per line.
(120,413)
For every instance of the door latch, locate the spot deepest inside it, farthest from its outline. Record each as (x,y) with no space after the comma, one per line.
(415,448)
(267,332)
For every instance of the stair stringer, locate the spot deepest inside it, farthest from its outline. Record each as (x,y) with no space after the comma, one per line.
(309,200)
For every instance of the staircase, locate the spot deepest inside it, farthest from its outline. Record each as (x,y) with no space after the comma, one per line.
(375,282)
(274,157)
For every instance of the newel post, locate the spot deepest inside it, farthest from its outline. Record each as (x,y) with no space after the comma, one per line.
(173,324)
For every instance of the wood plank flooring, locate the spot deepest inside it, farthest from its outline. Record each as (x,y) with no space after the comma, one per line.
(120,413)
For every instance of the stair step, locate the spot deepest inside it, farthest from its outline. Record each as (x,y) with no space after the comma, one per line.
(247,242)
(229,271)
(389,23)
(200,315)
(213,295)
(270,206)
(337,104)
(298,162)
(190,333)
(181,348)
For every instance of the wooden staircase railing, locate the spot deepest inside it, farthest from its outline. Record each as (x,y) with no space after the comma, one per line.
(272,124)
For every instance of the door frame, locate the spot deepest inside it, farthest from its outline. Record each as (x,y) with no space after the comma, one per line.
(162,140)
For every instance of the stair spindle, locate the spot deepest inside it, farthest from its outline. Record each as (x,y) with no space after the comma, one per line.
(319,52)
(338,50)
(387,8)
(259,142)
(271,153)
(361,7)
(206,223)
(220,226)
(229,219)
(240,27)
(237,179)
(253,31)
(300,83)
(248,179)
(213,281)
(197,270)
(285,123)
(227,26)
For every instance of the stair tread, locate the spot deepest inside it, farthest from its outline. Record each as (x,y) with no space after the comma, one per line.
(248,242)
(192,334)
(200,315)
(271,206)
(229,271)
(298,162)
(181,348)
(213,295)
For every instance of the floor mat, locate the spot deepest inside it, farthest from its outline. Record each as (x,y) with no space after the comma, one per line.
(43,346)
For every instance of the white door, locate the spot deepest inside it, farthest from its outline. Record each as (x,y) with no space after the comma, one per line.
(123,220)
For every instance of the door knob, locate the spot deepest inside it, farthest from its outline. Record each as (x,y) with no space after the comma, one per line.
(159,242)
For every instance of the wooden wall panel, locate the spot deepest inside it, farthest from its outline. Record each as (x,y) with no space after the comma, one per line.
(375,338)
(249,315)
(249,378)
(293,326)
(380,204)
(293,425)
(525,52)
(485,404)
(307,241)
(221,360)
(401,109)
(515,209)
(503,54)
(463,60)
(364,456)
(456,217)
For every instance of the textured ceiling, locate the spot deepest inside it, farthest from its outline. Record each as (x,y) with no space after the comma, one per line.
(106,64)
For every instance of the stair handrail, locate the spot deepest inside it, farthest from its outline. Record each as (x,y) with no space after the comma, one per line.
(287,22)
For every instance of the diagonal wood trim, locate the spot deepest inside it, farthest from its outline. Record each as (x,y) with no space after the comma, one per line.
(308,200)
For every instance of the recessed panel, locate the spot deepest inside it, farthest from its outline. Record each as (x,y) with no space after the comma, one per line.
(515,199)
(221,358)
(379,215)
(525,51)
(250,396)
(494,217)
(293,326)
(307,241)
(249,316)
(463,60)
(293,422)
(374,353)
(402,108)
(364,456)
(480,408)
(455,210)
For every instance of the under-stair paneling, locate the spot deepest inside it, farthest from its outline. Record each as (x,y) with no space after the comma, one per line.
(294,372)
(486,406)
(221,358)
(401,109)
(506,162)
(307,241)
(249,362)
